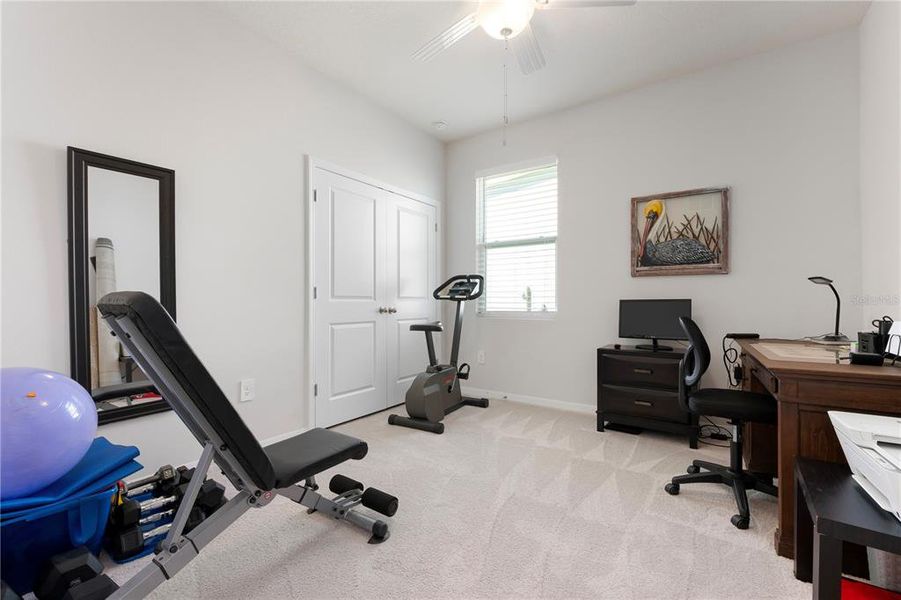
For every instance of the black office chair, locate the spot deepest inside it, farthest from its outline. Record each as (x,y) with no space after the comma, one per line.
(739,407)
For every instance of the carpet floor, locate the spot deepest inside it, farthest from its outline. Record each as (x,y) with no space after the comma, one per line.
(515,501)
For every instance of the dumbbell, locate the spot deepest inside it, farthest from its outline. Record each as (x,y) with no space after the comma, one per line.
(73,575)
(166,476)
(127,512)
(163,482)
(372,498)
(98,588)
(209,497)
(130,541)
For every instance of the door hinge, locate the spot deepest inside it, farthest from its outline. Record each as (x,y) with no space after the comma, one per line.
(314,292)
(315,195)
(436,227)
(315,389)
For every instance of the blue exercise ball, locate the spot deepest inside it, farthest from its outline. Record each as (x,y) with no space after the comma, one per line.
(47,423)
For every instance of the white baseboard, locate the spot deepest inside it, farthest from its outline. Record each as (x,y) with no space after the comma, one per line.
(533,400)
(268,441)
(283,436)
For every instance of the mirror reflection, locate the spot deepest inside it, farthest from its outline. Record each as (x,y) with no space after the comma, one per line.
(123,228)
(121,238)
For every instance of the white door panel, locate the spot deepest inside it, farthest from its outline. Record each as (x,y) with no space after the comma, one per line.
(353,245)
(412,275)
(413,256)
(348,273)
(353,357)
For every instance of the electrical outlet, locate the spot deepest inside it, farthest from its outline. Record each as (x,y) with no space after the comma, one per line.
(248,389)
(481,357)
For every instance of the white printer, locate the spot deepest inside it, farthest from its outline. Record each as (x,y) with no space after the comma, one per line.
(872,445)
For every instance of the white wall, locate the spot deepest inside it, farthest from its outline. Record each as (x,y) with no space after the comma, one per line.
(180,86)
(781,129)
(880,157)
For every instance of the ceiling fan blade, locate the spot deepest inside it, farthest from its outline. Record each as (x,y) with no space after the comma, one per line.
(528,51)
(545,4)
(446,38)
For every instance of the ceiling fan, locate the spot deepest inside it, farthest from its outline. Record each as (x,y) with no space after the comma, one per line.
(507,20)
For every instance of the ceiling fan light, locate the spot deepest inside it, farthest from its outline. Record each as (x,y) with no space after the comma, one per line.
(504,19)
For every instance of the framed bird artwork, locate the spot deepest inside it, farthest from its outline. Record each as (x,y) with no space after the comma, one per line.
(681,233)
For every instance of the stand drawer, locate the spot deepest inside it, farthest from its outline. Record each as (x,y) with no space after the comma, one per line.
(640,370)
(654,404)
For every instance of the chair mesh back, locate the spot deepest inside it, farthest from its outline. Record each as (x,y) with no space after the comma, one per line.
(700,352)
(163,335)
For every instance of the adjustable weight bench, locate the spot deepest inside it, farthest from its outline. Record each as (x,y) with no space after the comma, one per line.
(287,468)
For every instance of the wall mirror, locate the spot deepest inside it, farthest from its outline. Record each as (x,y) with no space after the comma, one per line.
(121,237)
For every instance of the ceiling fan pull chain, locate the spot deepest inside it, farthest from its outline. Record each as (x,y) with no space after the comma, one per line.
(506,118)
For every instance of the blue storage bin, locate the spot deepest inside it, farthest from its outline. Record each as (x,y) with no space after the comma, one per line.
(28,540)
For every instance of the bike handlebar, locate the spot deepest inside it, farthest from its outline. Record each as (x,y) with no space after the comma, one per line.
(470,288)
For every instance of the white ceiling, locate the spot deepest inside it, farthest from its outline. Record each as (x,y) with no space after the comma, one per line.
(590,52)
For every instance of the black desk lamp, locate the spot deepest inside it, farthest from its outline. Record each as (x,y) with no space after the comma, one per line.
(832,337)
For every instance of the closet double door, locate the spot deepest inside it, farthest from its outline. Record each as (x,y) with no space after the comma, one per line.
(375,264)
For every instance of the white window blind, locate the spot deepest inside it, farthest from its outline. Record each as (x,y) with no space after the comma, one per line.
(517,240)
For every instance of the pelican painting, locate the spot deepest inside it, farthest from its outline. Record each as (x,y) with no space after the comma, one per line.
(681,233)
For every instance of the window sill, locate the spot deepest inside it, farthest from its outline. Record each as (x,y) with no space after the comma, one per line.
(520,315)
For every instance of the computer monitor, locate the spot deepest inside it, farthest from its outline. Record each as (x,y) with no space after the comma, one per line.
(656,319)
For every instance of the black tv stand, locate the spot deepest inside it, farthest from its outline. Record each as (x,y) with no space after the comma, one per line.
(640,389)
(654,346)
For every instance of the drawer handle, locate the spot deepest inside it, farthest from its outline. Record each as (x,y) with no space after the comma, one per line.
(644,371)
(643,403)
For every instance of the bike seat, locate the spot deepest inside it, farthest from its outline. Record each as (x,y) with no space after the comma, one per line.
(436,326)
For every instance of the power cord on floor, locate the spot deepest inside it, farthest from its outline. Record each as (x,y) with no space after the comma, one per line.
(712,431)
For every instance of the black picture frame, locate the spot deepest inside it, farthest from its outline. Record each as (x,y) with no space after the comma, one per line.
(79,254)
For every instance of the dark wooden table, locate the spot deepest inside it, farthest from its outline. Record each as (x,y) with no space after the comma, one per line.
(805,392)
(830,509)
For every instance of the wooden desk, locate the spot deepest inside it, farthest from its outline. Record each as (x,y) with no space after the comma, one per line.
(805,391)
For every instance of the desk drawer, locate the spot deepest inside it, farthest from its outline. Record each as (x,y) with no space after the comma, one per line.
(769,381)
(654,404)
(639,370)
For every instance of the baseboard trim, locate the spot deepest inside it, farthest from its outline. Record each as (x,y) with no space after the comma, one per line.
(268,441)
(283,436)
(532,400)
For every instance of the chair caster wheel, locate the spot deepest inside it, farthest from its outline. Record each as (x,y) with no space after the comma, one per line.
(692,469)
(740,522)
(671,488)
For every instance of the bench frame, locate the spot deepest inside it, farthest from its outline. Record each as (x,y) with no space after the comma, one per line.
(179,548)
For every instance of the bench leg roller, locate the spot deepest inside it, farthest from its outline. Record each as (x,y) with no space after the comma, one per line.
(379,501)
(341,484)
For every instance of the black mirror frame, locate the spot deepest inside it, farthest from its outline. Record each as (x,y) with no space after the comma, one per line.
(79,255)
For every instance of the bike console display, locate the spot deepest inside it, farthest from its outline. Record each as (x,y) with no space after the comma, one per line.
(460,288)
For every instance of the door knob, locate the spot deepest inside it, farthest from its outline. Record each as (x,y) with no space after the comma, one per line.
(392,310)
(382,310)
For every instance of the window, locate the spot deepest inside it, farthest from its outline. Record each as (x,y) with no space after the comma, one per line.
(517,240)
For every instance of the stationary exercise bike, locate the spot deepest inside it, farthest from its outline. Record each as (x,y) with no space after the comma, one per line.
(436,391)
